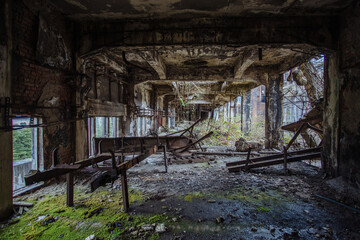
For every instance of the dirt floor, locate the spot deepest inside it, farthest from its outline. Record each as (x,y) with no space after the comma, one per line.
(195,201)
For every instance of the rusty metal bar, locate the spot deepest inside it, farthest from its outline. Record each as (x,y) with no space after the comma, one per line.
(277,161)
(226,153)
(165,159)
(184,130)
(65,168)
(285,159)
(248,159)
(275,156)
(296,135)
(183,149)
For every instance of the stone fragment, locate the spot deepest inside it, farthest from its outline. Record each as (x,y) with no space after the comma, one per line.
(147,227)
(160,228)
(91,237)
(220,219)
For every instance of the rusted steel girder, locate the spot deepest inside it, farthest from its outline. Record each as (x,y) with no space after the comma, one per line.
(130,144)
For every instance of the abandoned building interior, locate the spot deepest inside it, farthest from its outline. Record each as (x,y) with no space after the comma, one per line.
(178,119)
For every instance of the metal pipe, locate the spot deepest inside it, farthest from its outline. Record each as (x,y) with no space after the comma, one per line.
(338,203)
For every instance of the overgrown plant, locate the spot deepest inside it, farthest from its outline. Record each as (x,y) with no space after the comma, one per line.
(227,132)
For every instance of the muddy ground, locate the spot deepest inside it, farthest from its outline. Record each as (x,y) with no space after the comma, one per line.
(205,201)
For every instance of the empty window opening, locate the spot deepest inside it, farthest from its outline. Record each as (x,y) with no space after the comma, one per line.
(27,149)
(102,127)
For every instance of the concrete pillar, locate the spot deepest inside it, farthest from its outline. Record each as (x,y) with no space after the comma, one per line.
(273,112)
(6,159)
(330,161)
(246,110)
(341,140)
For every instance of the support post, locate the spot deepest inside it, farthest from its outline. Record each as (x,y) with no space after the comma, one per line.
(69,189)
(285,159)
(125,192)
(273,111)
(165,158)
(248,159)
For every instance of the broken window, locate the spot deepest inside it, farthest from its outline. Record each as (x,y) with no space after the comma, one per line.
(102,127)
(27,149)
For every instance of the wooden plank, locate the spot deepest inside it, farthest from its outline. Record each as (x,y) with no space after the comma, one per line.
(276,161)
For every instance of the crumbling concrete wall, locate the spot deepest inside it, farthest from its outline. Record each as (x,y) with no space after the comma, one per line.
(144,117)
(331,114)
(349,88)
(273,111)
(342,107)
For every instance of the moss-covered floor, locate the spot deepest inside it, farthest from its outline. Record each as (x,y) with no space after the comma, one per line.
(191,201)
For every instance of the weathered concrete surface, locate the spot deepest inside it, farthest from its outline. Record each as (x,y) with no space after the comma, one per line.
(5,91)
(349,104)
(246,109)
(273,112)
(96,9)
(349,142)
(331,115)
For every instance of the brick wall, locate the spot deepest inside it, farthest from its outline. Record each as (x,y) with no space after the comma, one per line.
(41,84)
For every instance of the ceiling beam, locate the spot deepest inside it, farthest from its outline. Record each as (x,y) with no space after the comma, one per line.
(318,31)
(155,61)
(109,62)
(244,63)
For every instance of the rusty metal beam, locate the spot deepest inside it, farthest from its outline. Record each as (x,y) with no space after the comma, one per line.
(275,156)
(276,161)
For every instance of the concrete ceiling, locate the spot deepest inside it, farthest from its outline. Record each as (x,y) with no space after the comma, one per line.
(231,68)
(122,9)
(205,63)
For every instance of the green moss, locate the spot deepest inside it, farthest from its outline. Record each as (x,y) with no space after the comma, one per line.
(189,197)
(92,213)
(253,197)
(262,209)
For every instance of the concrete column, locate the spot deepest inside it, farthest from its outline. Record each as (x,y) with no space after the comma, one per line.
(273,112)
(331,115)
(81,127)
(246,104)
(6,159)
